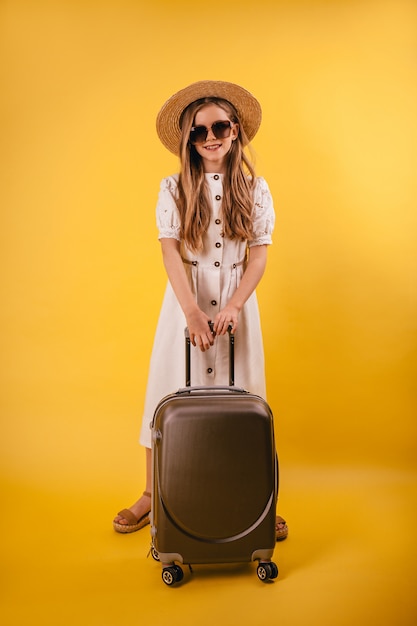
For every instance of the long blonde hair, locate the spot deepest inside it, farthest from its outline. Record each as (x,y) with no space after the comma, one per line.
(238,184)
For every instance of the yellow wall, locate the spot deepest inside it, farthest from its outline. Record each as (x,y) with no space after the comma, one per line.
(82,278)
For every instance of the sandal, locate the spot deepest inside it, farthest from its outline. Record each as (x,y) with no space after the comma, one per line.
(281,533)
(134,523)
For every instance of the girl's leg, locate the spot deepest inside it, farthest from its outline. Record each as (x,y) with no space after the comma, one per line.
(142,506)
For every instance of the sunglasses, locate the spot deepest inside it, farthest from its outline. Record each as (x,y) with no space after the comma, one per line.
(221,130)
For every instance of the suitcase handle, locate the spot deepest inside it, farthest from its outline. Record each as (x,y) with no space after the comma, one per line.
(231,355)
(212,390)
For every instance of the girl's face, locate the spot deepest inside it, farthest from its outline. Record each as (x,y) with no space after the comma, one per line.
(213,151)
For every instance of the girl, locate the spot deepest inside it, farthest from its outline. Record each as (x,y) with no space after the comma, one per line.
(215,221)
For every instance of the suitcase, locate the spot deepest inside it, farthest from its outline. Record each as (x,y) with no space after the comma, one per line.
(215,478)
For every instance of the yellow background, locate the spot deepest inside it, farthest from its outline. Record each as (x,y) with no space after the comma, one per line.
(82,282)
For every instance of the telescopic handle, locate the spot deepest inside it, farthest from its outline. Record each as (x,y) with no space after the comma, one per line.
(188,355)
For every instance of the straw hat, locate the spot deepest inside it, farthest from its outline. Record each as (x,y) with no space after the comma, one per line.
(168,118)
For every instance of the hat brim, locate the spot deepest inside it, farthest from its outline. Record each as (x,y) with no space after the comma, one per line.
(168,119)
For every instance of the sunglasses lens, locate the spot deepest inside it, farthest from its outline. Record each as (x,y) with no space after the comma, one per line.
(220,130)
(198,134)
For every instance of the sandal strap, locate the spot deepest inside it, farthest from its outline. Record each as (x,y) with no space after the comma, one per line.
(129,516)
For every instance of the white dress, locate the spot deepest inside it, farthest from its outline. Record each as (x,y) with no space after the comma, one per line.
(214,274)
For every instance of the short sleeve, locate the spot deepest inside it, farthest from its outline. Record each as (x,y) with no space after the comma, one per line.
(167,216)
(263,214)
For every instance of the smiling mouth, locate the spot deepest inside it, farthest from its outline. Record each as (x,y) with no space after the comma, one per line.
(213,146)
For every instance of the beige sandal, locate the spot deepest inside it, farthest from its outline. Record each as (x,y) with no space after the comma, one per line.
(134,523)
(281,533)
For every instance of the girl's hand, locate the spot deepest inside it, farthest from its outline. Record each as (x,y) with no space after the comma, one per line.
(199,329)
(226,317)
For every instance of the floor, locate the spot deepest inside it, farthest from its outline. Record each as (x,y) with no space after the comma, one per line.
(350,558)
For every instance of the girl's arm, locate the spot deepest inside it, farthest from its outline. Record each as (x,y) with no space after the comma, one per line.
(250,279)
(197,320)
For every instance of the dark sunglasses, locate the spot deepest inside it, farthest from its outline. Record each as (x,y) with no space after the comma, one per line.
(221,130)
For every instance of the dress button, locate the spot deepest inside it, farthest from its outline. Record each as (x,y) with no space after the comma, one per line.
(217,264)
(209,370)
(216,177)
(217,221)
(214,302)
(218,197)
(218,245)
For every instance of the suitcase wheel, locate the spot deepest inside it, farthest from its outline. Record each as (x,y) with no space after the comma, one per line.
(267,571)
(172,575)
(154,553)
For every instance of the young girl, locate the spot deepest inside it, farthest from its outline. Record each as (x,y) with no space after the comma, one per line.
(215,221)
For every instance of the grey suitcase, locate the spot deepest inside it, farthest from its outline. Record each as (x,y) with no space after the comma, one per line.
(215,478)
